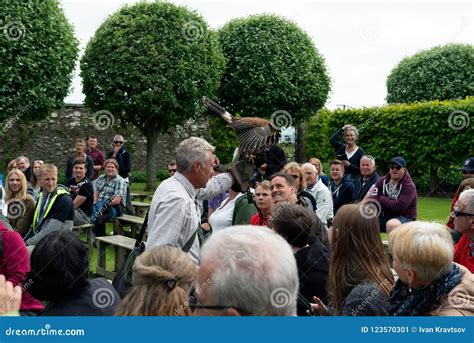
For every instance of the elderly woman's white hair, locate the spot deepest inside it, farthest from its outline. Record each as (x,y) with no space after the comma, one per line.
(253,269)
(191,150)
(425,247)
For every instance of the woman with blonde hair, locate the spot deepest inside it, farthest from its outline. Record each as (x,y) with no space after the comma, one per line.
(358,268)
(304,197)
(429,283)
(162,279)
(20,204)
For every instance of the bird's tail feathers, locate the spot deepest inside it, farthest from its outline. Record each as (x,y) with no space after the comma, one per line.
(215,107)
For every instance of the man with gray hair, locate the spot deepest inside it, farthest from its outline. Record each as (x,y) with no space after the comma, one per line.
(246,270)
(174,215)
(320,192)
(24,165)
(463,214)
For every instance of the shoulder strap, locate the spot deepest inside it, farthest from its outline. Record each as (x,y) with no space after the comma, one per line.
(141,233)
(190,241)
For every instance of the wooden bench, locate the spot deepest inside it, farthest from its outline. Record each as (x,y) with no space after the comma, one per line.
(87,229)
(140,208)
(126,220)
(122,247)
(138,196)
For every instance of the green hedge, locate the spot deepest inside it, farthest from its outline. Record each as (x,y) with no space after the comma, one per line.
(429,135)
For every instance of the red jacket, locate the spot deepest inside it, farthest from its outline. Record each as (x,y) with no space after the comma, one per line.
(462,253)
(258,220)
(15,265)
(451,218)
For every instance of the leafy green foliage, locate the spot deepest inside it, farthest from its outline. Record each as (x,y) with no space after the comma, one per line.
(272,65)
(38,51)
(223,138)
(434,134)
(150,64)
(441,73)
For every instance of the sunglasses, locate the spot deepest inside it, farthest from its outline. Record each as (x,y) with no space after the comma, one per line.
(395,166)
(171,170)
(462,214)
(296,177)
(118,142)
(193,304)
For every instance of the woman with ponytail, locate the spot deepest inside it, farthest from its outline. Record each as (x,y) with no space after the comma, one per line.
(162,278)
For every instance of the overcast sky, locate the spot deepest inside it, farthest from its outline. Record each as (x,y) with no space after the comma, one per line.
(361,41)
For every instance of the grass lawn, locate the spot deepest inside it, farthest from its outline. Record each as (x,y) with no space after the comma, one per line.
(429,209)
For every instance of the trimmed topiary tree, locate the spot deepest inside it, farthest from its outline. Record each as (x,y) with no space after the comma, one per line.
(38,51)
(149,65)
(273,70)
(441,73)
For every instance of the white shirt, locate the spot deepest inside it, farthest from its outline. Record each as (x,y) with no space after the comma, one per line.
(350,154)
(221,218)
(324,204)
(174,216)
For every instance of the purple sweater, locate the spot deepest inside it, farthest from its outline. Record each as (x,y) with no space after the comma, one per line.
(404,204)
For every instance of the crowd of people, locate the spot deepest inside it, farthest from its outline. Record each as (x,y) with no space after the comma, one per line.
(298,242)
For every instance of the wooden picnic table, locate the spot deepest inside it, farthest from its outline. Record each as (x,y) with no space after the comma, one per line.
(140,208)
(122,246)
(140,196)
(126,220)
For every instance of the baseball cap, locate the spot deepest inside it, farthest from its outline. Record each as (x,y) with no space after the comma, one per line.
(399,161)
(468,165)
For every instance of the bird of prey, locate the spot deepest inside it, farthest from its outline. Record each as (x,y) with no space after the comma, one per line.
(252,133)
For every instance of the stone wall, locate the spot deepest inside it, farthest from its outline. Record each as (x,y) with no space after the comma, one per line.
(53,139)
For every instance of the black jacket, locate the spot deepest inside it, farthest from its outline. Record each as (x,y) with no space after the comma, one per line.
(342,193)
(354,169)
(313,270)
(274,157)
(361,189)
(124,161)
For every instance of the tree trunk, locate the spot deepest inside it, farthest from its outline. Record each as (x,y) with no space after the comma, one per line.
(434,180)
(300,155)
(151,154)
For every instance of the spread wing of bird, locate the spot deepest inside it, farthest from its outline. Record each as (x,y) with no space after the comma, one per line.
(252,133)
